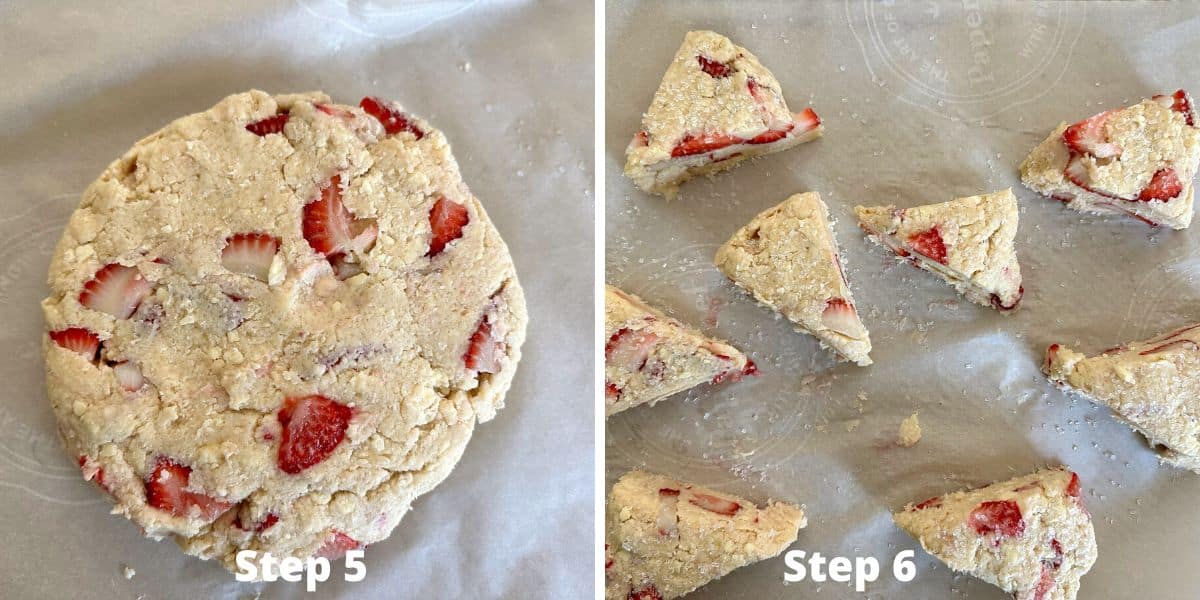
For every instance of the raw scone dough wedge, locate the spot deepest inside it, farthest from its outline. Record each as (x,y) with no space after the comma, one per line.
(716,107)
(1030,536)
(787,258)
(1152,385)
(968,242)
(1137,161)
(665,538)
(649,356)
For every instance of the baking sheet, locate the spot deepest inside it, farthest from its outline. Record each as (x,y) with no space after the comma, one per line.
(511,85)
(913,114)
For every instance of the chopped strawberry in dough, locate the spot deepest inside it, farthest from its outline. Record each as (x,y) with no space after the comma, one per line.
(447,219)
(115,289)
(250,254)
(166,490)
(313,426)
(78,340)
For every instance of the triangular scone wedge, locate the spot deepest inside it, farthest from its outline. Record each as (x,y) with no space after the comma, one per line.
(716,106)
(788,259)
(1152,385)
(1030,536)
(665,538)
(649,356)
(1137,161)
(968,241)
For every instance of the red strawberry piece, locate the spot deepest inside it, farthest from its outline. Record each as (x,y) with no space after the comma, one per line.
(929,243)
(313,426)
(1074,489)
(629,349)
(1001,518)
(1001,306)
(334,111)
(735,375)
(393,120)
(1063,197)
(483,351)
(1077,173)
(250,254)
(336,546)
(1056,562)
(116,290)
(1163,186)
(646,592)
(755,89)
(670,492)
(773,135)
(840,316)
(268,125)
(721,506)
(270,520)
(166,490)
(331,229)
(933,502)
(608,559)
(641,138)
(612,393)
(93,473)
(806,120)
(1169,345)
(128,376)
(77,339)
(1180,102)
(446,220)
(715,69)
(699,144)
(1044,586)
(1087,137)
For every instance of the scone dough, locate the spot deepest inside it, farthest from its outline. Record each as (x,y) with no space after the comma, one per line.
(1030,536)
(1138,161)
(788,259)
(716,107)
(665,538)
(294,396)
(1152,385)
(649,356)
(968,242)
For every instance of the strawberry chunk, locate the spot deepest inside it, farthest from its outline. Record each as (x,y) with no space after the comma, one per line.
(699,144)
(929,244)
(629,349)
(1044,586)
(268,125)
(721,506)
(313,426)
(1163,186)
(393,120)
(334,111)
(668,492)
(1001,518)
(336,546)
(250,254)
(331,229)
(1180,102)
(1074,489)
(933,502)
(773,135)
(77,339)
(612,393)
(129,376)
(1056,561)
(840,316)
(446,220)
(1087,137)
(115,289)
(807,120)
(483,351)
(715,69)
(270,520)
(166,490)
(646,592)
(93,473)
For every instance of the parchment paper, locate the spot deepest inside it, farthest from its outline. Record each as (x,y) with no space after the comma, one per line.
(914,114)
(511,85)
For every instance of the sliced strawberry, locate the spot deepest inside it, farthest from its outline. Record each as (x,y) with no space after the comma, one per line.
(773,135)
(116,290)
(268,125)
(646,592)
(313,426)
(1087,137)
(933,502)
(668,492)
(1168,346)
(735,375)
(1001,518)
(331,229)
(483,351)
(700,144)
(721,506)
(128,376)
(754,89)
(77,339)
(446,220)
(629,349)
(929,243)
(999,305)
(715,69)
(166,490)
(270,520)
(1163,186)
(806,120)
(250,254)
(334,111)
(93,473)
(393,120)
(336,546)
(1180,102)
(840,316)
(612,393)
(1074,489)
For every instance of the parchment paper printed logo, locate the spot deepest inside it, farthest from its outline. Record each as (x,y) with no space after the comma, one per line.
(971,59)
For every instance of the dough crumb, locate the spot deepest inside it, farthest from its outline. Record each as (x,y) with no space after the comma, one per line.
(910,432)
(128,571)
